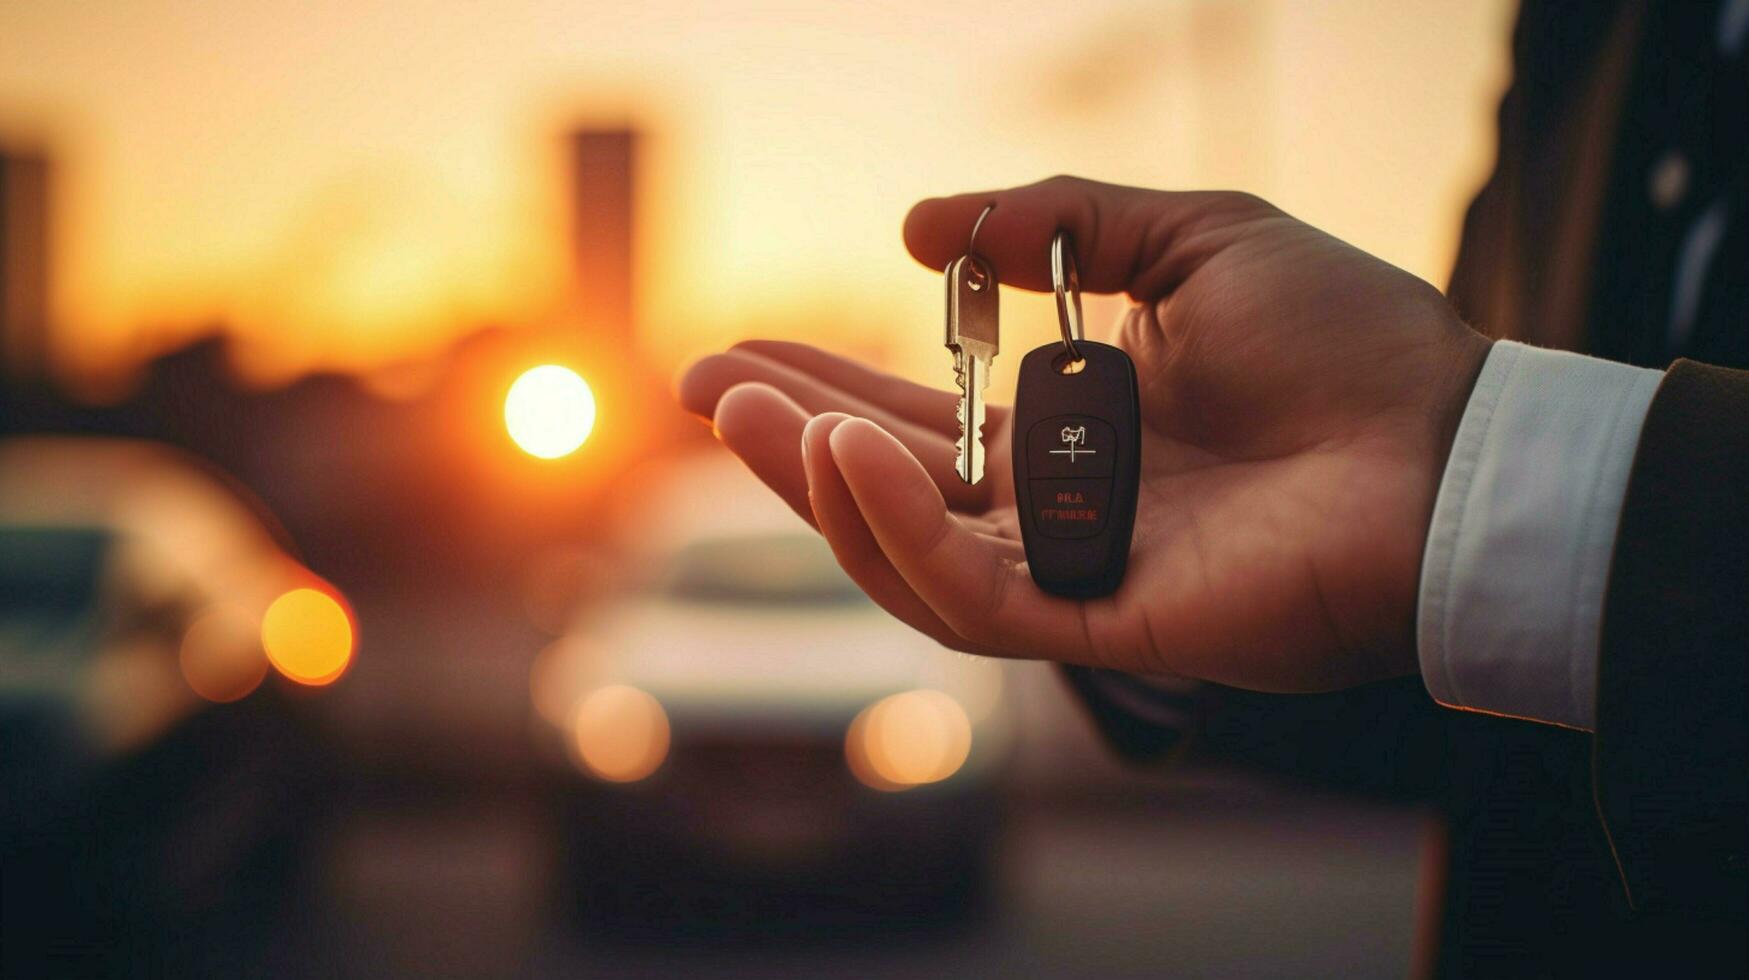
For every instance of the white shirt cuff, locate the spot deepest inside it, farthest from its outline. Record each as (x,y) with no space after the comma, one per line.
(1518,554)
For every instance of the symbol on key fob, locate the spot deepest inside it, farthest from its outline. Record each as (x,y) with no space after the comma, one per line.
(1075,437)
(1077,452)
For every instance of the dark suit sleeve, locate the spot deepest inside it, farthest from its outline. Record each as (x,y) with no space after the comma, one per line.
(1141,721)
(1669,757)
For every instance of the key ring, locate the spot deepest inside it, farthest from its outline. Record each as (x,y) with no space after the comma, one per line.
(1066,282)
(978,276)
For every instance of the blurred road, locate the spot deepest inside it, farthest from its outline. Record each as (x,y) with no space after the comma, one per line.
(1195,877)
(1103,871)
(1195,880)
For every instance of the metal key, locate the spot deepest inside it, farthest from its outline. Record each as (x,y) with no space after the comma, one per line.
(972,332)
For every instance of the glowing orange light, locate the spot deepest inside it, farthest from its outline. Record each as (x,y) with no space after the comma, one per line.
(620,733)
(562,673)
(308,636)
(221,655)
(908,739)
(549,411)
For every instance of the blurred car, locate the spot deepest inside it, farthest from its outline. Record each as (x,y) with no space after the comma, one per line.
(752,743)
(132,581)
(121,549)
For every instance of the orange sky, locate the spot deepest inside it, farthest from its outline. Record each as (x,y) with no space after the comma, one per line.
(343,183)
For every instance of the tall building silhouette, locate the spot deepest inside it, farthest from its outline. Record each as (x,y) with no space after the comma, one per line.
(24,264)
(602,188)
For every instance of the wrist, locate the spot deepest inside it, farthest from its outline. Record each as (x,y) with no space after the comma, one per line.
(1455,383)
(1448,385)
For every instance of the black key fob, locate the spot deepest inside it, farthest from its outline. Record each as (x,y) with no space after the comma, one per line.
(1077,466)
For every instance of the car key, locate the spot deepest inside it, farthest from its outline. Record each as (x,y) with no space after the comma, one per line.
(972,335)
(1077,452)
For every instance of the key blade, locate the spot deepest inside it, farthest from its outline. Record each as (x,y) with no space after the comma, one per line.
(969,458)
(972,335)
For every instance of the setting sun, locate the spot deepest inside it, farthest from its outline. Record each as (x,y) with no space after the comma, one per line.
(550,411)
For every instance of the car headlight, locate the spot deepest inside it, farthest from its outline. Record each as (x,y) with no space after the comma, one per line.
(619,733)
(908,739)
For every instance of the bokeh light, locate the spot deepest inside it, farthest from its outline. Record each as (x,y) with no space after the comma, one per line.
(549,411)
(561,674)
(908,739)
(308,636)
(221,655)
(620,733)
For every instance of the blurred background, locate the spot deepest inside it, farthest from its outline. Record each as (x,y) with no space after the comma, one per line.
(367,607)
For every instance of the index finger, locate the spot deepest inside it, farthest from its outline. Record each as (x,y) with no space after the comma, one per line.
(1127,239)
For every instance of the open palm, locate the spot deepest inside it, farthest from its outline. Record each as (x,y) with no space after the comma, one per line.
(1298,401)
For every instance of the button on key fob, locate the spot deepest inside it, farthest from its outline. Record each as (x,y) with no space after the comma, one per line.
(1077,466)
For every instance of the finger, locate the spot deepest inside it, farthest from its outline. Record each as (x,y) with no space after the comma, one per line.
(990,527)
(705,381)
(979,593)
(764,427)
(854,545)
(932,408)
(1127,239)
(1006,548)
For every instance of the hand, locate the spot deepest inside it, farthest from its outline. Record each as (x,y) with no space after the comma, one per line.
(1298,397)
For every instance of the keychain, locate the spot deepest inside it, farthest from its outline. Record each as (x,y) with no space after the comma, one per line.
(1077,427)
